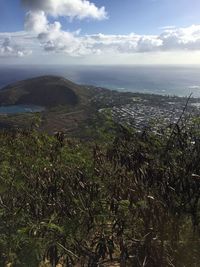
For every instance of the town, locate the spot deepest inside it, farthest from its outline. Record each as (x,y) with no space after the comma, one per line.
(153,111)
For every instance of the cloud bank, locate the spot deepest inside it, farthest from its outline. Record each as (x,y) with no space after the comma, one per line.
(40,35)
(176,39)
(53,39)
(8,48)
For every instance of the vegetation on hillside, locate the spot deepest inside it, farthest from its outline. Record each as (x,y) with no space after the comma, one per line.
(132,195)
(46,91)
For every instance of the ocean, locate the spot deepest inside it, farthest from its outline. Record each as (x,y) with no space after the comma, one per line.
(164,80)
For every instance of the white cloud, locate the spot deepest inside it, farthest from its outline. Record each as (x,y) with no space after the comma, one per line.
(187,38)
(170,40)
(149,44)
(168,27)
(54,39)
(36,21)
(80,9)
(51,38)
(50,35)
(8,48)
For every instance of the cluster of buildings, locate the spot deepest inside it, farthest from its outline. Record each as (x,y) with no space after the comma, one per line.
(143,114)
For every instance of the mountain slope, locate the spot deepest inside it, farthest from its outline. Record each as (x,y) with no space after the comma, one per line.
(47,91)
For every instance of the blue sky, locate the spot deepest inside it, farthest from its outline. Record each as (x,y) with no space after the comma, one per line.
(125,16)
(135,29)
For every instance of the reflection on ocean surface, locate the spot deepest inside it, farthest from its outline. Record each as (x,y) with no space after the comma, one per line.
(14,109)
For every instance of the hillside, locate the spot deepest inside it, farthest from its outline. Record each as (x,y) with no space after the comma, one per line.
(47,91)
(65,202)
(69,107)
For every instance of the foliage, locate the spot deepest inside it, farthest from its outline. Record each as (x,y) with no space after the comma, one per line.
(59,196)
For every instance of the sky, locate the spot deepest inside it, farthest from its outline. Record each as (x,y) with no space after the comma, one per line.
(99,32)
